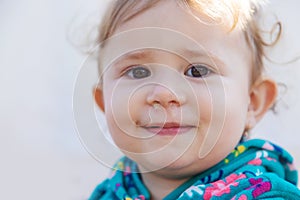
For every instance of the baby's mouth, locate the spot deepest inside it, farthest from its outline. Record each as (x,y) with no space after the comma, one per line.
(168,128)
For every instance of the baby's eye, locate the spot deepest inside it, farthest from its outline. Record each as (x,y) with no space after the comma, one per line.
(197,71)
(138,72)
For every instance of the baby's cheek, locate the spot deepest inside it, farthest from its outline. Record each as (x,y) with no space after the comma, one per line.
(233,124)
(122,137)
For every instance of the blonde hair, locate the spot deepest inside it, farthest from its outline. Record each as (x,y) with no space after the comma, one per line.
(242,14)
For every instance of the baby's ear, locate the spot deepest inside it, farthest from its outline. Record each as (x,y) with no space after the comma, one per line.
(98,95)
(262,97)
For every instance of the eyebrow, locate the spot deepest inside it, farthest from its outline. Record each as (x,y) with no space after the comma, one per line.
(142,53)
(193,53)
(134,56)
(201,53)
(197,53)
(138,54)
(184,53)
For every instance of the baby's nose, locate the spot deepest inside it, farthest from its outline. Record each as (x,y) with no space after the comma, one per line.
(165,96)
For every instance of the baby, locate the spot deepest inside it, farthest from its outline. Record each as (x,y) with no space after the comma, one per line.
(182,84)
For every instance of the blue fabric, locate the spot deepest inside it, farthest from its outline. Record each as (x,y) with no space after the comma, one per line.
(255,169)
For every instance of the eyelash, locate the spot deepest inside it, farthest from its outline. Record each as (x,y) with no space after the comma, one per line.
(197,68)
(130,72)
(193,71)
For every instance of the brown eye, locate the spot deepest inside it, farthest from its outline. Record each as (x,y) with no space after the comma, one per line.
(197,71)
(138,72)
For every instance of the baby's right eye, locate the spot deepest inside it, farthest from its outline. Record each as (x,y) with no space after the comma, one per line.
(138,72)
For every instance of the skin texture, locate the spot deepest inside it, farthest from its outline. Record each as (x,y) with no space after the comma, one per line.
(175,125)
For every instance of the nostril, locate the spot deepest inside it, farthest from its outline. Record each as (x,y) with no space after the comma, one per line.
(164,96)
(173,102)
(156,102)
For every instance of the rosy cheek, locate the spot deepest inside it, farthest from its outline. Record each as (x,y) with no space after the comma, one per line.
(212,105)
(202,102)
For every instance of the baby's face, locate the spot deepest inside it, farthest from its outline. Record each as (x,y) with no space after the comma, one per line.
(176,97)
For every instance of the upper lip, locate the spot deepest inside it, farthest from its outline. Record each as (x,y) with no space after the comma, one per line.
(167,125)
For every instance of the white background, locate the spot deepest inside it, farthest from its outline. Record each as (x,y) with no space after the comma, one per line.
(41,154)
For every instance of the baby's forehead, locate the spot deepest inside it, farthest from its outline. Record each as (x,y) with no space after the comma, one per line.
(169,15)
(176,28)
(202,42)
(230,14)
(148,39)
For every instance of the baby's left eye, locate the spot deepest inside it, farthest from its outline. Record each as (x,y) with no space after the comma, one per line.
(197,71)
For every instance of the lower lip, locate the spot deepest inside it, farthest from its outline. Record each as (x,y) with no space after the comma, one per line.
(169,131)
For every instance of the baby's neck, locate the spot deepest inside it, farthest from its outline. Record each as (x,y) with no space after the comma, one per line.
(160,186)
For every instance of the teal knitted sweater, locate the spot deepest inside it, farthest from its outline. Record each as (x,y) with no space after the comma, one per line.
(255,169)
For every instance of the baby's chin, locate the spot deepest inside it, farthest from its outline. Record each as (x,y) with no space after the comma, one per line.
(171,167)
